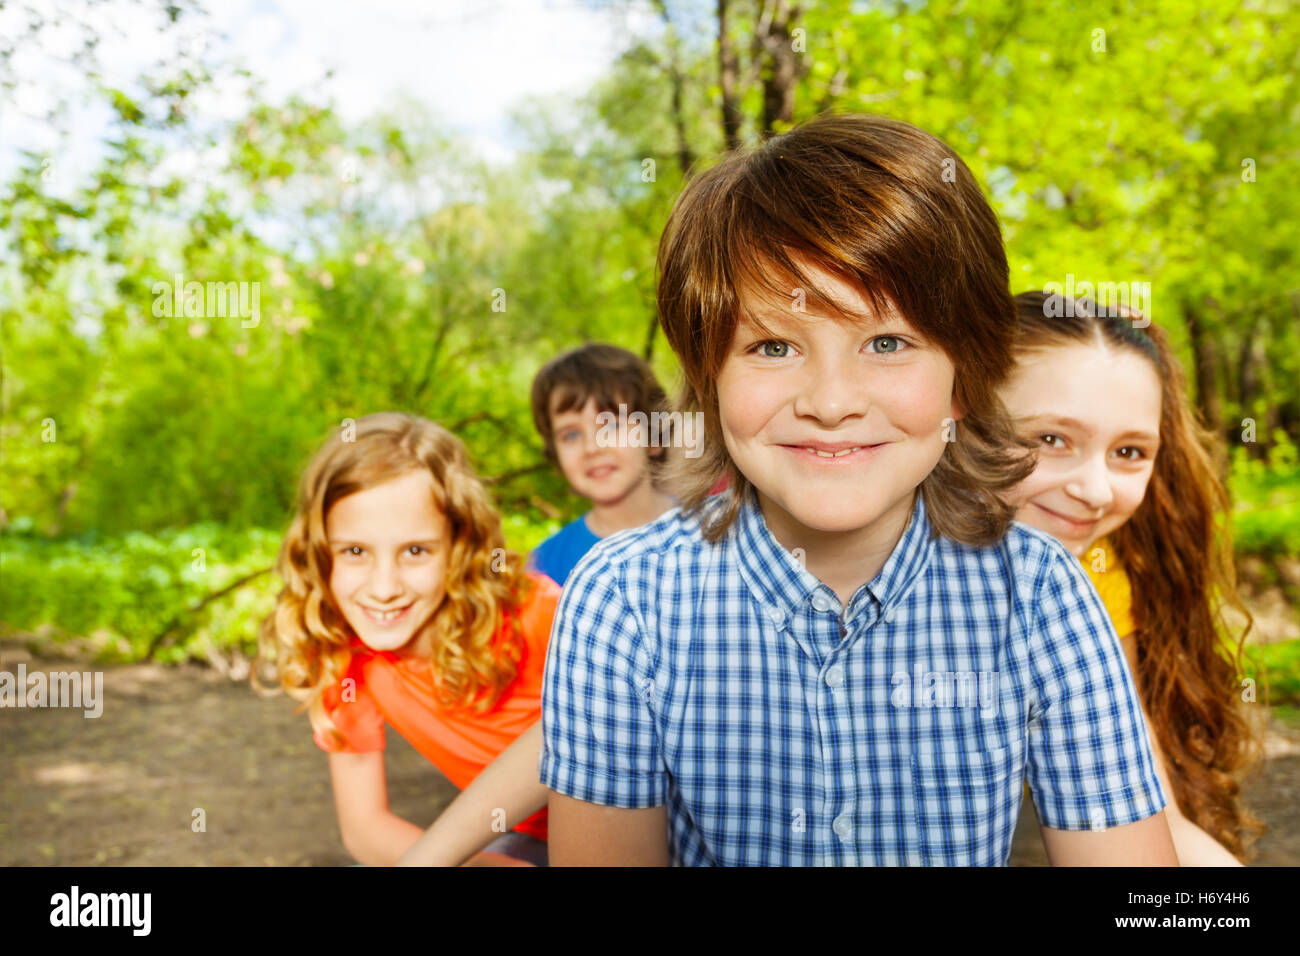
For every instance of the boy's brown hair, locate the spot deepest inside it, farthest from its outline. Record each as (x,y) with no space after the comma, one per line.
(881,204)
(607,373)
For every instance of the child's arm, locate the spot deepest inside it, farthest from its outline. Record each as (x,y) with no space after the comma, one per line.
(1194,846)
(372,833)
(585,834)
(508,784)
(1090,766)
(601,751)
(1144,843)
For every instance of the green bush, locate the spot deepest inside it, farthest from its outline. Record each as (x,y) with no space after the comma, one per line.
(1266,512)
(124,592)
(121,593)
(1277,668)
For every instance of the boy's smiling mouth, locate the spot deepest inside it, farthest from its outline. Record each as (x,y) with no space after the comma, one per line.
(839,452)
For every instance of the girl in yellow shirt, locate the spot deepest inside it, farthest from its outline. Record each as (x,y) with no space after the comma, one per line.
(1126,479)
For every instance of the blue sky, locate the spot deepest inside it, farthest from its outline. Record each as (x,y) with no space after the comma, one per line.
(470,61)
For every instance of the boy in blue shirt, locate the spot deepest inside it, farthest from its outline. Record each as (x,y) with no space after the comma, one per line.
(568,396)
(852,656)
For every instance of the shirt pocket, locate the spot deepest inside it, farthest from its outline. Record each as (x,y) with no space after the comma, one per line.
(962,804)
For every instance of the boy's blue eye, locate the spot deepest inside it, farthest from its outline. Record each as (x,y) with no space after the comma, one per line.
(784,348)
(888,344)
(415,549)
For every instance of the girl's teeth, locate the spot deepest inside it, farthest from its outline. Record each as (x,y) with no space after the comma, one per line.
(385,615)
(833,454)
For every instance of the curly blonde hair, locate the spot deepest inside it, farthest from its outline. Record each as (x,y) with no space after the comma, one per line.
(308,640)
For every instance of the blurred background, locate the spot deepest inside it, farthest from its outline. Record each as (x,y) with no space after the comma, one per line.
(428,201)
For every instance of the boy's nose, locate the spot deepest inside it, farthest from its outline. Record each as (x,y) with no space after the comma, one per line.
(832,391)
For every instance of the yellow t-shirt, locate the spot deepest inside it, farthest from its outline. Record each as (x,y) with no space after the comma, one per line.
(1111,581)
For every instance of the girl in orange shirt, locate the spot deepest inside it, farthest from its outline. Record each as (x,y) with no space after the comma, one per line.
(401,605)
(1126,479)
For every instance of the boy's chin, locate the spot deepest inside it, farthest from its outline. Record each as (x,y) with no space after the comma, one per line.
(831,517)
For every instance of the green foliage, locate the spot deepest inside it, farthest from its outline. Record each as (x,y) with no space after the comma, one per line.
(1266,512)
(1278,666)
(122,592)
(397,270)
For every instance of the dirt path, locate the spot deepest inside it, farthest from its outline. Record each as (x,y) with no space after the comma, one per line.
(122,789)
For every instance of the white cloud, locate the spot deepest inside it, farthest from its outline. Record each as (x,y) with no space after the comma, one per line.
(469,61)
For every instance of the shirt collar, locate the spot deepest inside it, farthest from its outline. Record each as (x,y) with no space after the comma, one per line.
(777,578)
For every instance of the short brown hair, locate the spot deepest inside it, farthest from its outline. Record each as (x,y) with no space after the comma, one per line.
(885,206)
(605,372)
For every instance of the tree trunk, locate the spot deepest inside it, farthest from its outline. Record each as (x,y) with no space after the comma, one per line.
(685,156)
(1205,362)
(781,72)
(1253,385)
(728,74)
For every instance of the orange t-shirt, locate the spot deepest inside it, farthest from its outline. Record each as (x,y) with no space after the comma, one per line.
(458,742)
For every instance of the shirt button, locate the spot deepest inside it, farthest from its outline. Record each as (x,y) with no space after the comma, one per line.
(776,615)
(821,602)
(843,826)
(834,676)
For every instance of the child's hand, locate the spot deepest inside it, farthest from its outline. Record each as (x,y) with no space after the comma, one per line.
(494,859)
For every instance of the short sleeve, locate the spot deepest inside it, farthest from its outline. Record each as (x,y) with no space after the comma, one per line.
(356,716)
(600,743)
(1090,761)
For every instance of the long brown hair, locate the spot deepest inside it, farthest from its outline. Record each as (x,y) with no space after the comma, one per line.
(307,638)
(1177,552)
(883,205)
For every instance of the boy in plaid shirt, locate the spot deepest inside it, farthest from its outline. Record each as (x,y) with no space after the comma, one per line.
(852,656)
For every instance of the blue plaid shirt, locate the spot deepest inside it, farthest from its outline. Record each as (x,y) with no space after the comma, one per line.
(727,682)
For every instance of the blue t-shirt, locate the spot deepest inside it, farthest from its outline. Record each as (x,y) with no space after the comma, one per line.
(557,555)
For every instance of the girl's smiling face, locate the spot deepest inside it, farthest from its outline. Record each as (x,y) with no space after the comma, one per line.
(389,547)
(1096,412)
(835,423)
